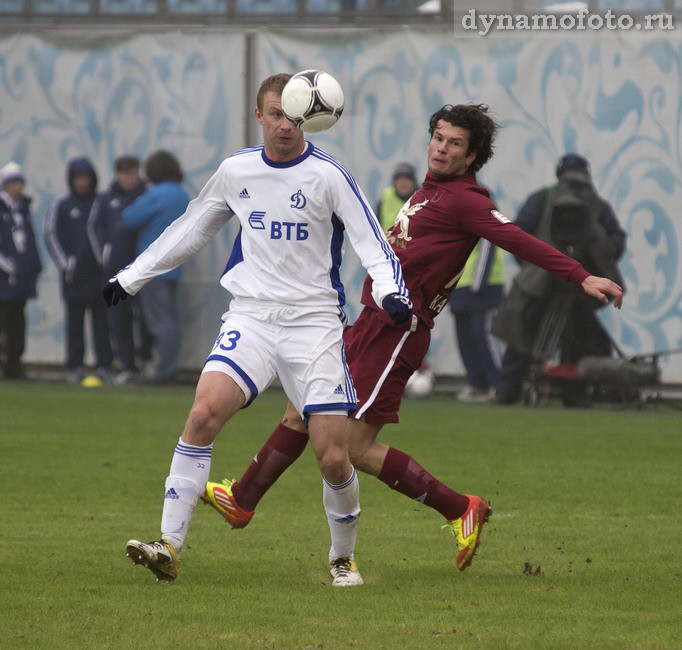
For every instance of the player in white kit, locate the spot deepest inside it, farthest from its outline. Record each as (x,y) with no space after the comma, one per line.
(293,202)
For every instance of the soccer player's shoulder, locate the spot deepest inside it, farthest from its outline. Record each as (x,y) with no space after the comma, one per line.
(329,165)
(246,156)
(240,159)
(474,197)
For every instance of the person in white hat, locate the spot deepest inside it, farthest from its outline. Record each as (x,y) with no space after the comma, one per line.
(19,268)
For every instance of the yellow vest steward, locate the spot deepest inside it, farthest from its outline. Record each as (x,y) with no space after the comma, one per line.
(496,275)
(390,206)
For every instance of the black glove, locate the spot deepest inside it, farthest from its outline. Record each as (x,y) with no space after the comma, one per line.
(113,292)
(398,307)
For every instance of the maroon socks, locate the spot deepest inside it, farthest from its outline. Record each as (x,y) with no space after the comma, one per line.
(399,471)
(403,474)
(280,450)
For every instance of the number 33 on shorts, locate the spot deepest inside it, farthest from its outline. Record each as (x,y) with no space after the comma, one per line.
(227,340)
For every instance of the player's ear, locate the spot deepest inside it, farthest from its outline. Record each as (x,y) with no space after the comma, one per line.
(470,158)
(258,115)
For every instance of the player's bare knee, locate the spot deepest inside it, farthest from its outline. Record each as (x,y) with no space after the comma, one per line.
(333,464)
(203,422)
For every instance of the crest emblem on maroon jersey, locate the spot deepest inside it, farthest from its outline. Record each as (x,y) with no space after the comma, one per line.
(399,233)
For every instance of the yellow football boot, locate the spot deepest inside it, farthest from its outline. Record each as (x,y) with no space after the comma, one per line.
(467,530)
(219,496)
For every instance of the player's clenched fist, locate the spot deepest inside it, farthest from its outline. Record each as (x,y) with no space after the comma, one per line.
(398,307)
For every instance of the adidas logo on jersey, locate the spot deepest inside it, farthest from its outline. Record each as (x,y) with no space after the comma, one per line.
(171,494)
(244,194)
(339,390)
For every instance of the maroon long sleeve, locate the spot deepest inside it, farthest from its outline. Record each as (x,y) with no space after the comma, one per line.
(439,227)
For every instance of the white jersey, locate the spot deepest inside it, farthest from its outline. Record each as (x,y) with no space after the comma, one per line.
(292,219)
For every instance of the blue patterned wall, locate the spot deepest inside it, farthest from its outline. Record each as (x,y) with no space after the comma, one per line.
(103,95)
(616,99)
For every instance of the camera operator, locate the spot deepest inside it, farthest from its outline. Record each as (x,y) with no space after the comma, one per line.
(572,217)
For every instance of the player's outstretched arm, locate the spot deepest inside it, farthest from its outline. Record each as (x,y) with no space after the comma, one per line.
(598,288)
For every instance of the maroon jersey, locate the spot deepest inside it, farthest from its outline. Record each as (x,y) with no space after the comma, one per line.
(435,232)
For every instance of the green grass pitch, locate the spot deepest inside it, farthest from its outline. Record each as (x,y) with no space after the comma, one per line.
(583,549)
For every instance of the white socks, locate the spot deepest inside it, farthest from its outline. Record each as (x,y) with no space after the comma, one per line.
(342,504)
(186,482)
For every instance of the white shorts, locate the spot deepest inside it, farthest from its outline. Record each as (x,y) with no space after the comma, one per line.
(260,341)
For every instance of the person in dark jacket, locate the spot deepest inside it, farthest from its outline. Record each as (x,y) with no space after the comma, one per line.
(19,268)
(589,233)
(115,247)
(149,216)
(81,275)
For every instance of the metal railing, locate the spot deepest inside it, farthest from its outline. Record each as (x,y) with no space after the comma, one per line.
(46,13)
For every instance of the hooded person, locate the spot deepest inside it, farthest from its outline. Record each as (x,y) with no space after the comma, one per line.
(19,268)
(81,275)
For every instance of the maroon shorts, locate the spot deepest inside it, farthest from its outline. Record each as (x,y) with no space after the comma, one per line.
(381,359)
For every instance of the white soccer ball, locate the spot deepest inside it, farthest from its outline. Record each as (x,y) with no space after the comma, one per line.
(312,101)
(420,384)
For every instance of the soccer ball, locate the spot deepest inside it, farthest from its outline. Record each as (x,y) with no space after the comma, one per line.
(312,101)
(420,384)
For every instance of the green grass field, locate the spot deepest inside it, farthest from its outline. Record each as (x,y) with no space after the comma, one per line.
(583,549)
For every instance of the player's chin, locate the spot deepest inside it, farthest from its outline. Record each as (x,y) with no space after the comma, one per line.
(441,173)
(286,147)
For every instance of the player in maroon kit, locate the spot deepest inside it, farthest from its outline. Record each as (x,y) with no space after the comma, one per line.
(433,235)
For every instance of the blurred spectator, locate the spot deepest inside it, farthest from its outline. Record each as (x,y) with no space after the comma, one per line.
(572,217)
(473,303)
(81,275)
(19,268)
(115,247)
(393,197)
(149,216)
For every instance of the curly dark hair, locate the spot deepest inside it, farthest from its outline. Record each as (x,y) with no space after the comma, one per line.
(274,83)
(163,166)
(475,119)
